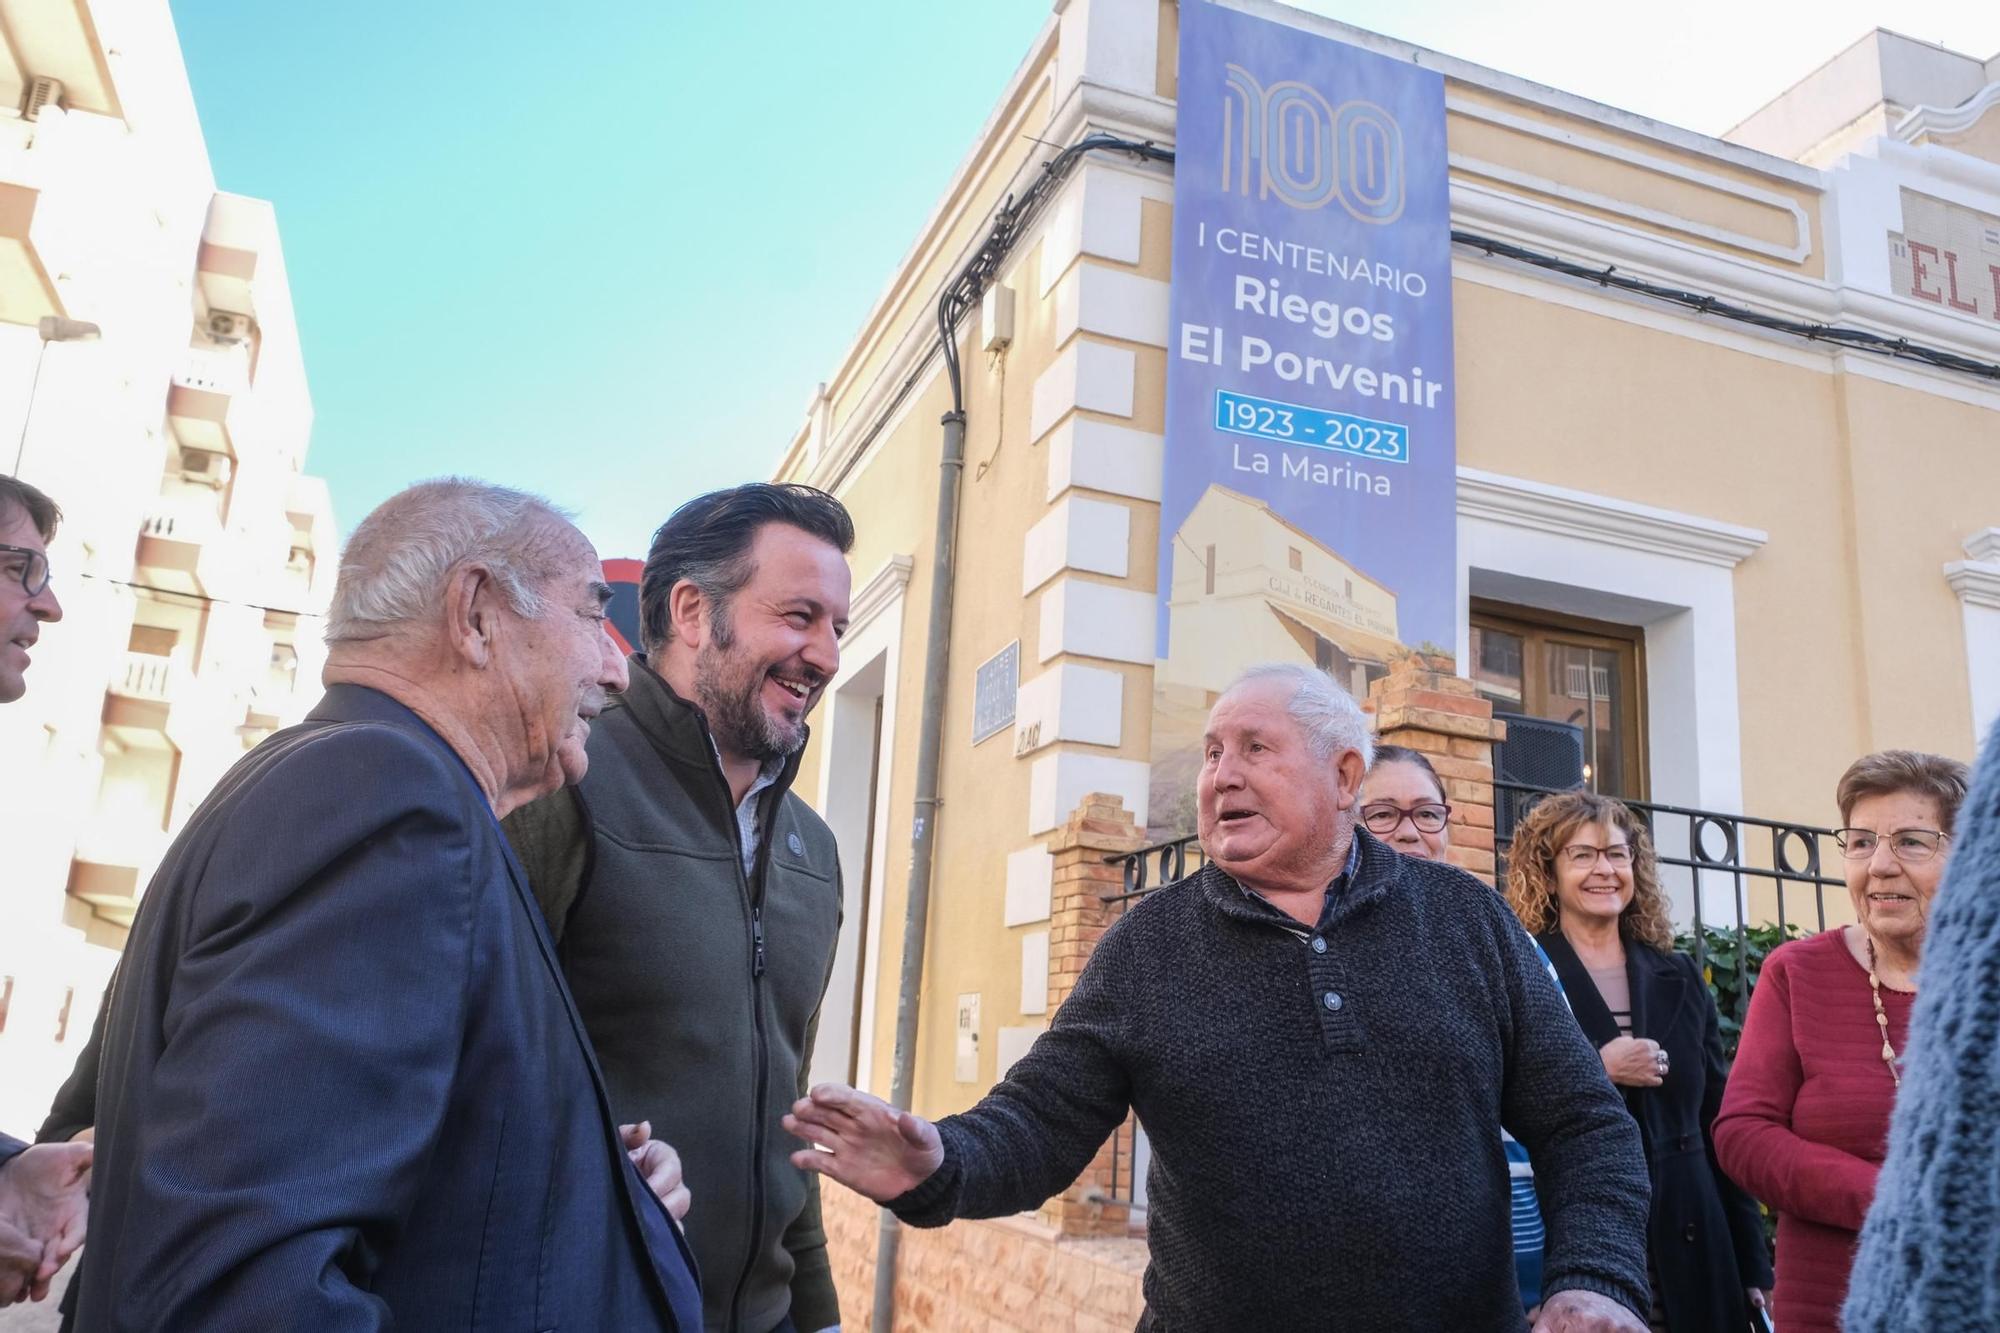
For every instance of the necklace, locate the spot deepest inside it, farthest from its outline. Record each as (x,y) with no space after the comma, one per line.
(1881,1014)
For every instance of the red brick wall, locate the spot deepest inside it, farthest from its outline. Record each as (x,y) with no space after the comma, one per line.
(1012,1275)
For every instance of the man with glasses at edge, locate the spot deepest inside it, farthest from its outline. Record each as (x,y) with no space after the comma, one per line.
(43,1188)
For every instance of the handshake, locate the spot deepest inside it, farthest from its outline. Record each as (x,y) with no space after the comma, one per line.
(44,1209)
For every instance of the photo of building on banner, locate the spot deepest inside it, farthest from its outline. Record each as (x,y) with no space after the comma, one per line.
(1308,502)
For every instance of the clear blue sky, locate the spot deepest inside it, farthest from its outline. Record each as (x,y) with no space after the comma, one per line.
(605,258)
(605,251)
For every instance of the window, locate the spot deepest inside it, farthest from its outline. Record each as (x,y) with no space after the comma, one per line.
(1208,574)
(1498,656)
(1586,673)
(1295,558)
(283,676)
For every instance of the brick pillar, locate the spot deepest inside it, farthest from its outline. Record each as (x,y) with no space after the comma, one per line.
(1421,705)
(1078,917)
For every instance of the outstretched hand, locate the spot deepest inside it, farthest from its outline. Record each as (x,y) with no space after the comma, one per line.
(44,1202)
(863,1142)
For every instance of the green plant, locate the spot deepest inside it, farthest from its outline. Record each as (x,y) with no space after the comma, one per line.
(1730,967)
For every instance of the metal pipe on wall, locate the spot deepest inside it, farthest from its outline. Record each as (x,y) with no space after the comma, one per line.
(959,296)
(923,830)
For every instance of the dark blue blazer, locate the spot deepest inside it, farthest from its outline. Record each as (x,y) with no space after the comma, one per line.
(343,1083)
(9,1147)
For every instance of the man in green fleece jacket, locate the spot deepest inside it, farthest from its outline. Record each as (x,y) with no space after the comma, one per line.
(695,901)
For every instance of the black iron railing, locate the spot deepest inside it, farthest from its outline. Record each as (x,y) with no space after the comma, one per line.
(1727,876)
(1723,873)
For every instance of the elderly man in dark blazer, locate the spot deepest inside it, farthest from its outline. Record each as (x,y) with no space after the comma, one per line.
(343,1084)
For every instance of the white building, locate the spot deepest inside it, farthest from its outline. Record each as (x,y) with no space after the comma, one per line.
(151,382)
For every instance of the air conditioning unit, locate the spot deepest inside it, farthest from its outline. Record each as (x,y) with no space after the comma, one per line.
(205,468)
(39,94)
(226,326)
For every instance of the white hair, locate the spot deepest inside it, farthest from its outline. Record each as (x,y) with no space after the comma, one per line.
(1329,717)
(397,562)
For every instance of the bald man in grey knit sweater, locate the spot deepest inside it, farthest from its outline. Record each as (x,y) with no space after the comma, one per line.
(1322,1039)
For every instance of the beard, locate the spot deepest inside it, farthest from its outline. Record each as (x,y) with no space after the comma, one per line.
(729,688)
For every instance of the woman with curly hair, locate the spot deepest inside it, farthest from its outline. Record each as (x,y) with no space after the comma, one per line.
(1582,878)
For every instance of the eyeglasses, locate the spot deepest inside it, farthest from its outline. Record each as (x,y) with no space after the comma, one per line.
(1908,845)
(1382,820)
(34,566)
(1583,856)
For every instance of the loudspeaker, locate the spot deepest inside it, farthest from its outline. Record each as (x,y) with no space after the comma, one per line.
(1536,753)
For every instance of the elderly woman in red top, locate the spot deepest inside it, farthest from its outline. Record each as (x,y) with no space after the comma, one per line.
(1805,1121)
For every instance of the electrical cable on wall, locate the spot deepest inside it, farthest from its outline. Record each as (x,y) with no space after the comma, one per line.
(202,597)
(962,293)
(1012,221)
(1859,340)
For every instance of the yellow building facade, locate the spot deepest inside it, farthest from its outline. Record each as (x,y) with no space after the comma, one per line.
(152,383)
(1742,555)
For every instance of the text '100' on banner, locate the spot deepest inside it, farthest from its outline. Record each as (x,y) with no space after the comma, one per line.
(1308,502)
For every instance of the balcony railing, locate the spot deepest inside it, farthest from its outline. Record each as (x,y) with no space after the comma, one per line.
(194,519)
(215,369)
(146,676)
(1732,873)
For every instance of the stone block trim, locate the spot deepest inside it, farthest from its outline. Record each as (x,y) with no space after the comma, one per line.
(1100,456)
(1060,779)
(1093,376)
(1089,619)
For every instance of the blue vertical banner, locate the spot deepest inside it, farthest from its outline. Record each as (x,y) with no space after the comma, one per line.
(1308,501)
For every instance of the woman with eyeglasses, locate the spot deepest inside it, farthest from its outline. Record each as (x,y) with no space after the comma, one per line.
(1805,1124)
(1582,878)
(1403,803)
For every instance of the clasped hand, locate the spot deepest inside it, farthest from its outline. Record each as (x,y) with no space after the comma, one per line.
(659,1166)
(44,1211)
